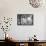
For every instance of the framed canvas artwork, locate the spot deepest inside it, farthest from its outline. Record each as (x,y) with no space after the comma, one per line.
(24,19)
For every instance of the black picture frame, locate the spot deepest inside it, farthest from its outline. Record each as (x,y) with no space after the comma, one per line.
(25,19)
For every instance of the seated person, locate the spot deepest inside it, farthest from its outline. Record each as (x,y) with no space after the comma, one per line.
(35,38)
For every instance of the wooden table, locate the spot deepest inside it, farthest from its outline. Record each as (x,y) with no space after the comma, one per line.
(28,43)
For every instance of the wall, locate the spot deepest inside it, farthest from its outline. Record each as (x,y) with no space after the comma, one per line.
(10,8)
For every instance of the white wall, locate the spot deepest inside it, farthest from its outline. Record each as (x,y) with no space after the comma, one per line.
(10,8)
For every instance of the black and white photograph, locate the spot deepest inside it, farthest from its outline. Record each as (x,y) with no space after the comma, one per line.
(24,19)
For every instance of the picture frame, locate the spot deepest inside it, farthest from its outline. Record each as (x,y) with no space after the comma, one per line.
(24,19)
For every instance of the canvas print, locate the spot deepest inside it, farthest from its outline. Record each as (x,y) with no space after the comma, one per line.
(24,19)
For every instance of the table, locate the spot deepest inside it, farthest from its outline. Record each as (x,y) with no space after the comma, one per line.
(27,42)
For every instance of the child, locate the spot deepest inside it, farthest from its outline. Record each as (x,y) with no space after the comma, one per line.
(35,38)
